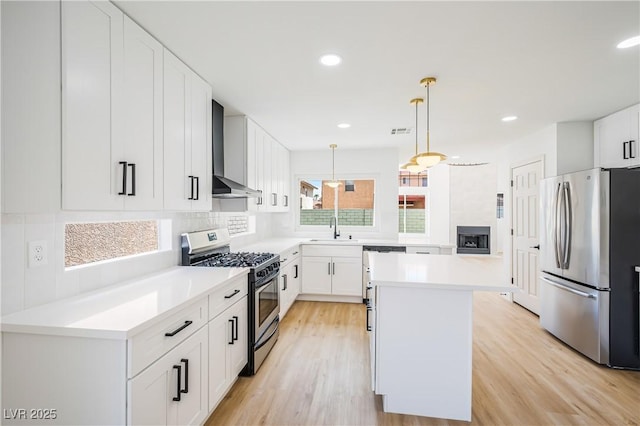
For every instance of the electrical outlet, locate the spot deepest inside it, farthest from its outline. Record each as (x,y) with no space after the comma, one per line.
(38,253)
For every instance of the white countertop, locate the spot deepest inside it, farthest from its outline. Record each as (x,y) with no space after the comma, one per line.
(279,245)
(450,272)
(119,311)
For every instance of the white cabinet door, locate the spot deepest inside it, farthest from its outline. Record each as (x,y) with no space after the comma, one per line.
(187,138)
(154,393)
(92,77)
(177,134)
(616,139)
(142,136)
(317,275)
(228,349)
(347,276)
(238,351)
(285,183)
(219,371)
(201,159)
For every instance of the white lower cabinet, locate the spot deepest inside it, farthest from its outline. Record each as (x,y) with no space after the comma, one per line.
(332,270)
(290,278)
(173,390)
(228,349)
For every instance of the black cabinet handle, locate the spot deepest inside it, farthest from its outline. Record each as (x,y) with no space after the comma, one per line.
(179,368)
(624,150)
(286,200)
(232,294)
(124,178)
(133,179)
(191,197)
(368,325)
(274,199)
(631,154)
(259,200)
(333,272)
(197,179)
(285,282)
(234,332)
(295,269)
(179,329)
(329,268)
(186,375)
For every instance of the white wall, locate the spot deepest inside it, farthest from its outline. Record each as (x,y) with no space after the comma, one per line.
(380,164)
(473,199)
(439,204)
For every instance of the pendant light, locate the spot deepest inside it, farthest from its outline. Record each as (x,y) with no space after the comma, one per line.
(429,158)
(333,183)
(412,166)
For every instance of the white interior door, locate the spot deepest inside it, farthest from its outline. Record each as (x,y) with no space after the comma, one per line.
(525,236)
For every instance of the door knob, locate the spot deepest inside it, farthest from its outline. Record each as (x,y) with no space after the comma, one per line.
(536,247)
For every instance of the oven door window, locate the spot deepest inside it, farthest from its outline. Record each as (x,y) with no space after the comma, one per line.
(267,300)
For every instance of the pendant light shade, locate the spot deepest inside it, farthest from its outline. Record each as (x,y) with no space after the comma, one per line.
(412,166)
(429,158)
(333,183)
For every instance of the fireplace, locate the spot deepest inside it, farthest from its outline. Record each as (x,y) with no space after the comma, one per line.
(474,239)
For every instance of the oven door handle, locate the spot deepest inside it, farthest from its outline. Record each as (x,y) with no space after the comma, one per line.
(264,342)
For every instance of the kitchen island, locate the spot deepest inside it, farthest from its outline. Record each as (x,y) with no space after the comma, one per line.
(420,323)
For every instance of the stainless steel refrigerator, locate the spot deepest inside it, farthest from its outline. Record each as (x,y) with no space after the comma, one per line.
(589,248)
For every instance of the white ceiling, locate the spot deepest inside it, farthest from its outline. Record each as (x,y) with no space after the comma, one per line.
(545,62)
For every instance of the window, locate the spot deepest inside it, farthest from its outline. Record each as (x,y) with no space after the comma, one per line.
(92,242)
(413,211)
(500,206)
(353,200)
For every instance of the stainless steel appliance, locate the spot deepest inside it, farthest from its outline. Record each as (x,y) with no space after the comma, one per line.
(365,264)
(589,246)
(211,249)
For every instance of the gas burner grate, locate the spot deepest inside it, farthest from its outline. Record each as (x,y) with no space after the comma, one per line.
(237,260)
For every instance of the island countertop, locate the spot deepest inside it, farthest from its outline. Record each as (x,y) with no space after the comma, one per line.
(454,272)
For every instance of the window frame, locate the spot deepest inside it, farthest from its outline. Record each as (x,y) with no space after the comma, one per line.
(344,230)
(418,190)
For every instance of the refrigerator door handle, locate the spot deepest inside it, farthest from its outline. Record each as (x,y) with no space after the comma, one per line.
(556,226)
(568,225)
(569,289)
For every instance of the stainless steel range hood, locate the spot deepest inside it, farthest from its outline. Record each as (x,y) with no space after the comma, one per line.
(224,187)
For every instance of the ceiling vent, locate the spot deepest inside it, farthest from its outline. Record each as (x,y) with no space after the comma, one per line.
(402,131)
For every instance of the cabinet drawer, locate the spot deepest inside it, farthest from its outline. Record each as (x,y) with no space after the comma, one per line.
(332,250)
(288,255)
(149,345)
(226,295)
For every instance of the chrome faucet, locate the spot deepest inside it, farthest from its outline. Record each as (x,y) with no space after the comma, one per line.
(333,223)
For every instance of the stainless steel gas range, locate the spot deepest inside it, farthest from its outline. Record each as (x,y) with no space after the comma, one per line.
(211,249)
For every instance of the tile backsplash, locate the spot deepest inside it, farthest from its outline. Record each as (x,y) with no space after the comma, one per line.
(24,286)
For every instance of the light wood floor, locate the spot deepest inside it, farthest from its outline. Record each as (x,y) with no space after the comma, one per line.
(318,374)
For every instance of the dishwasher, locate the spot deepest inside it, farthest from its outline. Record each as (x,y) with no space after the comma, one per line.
(365,263)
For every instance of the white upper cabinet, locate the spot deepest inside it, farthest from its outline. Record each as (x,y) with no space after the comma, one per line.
(261,163)
(187,138)
(112,111)
(92,79)
(143,86)
(616,139)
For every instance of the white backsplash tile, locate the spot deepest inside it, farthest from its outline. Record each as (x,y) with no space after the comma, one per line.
(13,259)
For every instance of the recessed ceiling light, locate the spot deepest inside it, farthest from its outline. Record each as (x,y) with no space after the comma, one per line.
(330,60)
(344,125)
(509,118)
(630,42)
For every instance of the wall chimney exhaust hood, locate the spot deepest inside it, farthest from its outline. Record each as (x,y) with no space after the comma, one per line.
(222,186)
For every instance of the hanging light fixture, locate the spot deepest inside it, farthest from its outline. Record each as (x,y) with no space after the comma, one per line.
(333,183)
(413,166)
(429,158)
